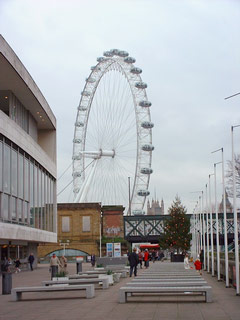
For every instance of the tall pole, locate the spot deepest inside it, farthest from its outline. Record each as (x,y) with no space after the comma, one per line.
(211,225)
(203,235)
(217,228)
(235,217)
(129,197)
(225,224)
(208,259)
(100,237)
(200,221)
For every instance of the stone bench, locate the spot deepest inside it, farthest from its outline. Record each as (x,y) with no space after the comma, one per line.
(158,276)
(138,279)
(104,281)
(17,292)
(124,291)
(83,276)
(166,284)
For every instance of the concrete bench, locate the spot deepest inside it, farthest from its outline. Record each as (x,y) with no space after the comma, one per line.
(167,276)
(166,284)
(138,279)
(83,276)
(104,281)
(124,291)
(17,292)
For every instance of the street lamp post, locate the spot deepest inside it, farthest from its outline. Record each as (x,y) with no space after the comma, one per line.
(235,215)
(217,227)
(211,224)
(208,258)
(64,243)
(224,220)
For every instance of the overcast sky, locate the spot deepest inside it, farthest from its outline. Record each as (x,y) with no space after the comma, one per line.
(190,55)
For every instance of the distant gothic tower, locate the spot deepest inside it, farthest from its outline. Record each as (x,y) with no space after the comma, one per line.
(229,206)
(155,208)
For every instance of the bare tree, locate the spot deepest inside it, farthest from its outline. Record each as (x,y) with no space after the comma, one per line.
(229,176)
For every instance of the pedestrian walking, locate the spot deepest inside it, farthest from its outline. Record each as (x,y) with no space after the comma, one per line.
(63,264)
(133,261)
(186,262)
(31,260)
(153,255)
(54,264)
(93,259)
(198,265)
(140,258)
(146,258)
(17,265)
(202,258)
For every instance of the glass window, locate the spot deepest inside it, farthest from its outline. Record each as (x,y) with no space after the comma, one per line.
(20,211)
(6,169)
(20,176)
(65,224)
(35,186)
(13,209)
(1,166)
(26,179)
(86,227)
(14,173)
(5,206)
(40,198)
(31,189)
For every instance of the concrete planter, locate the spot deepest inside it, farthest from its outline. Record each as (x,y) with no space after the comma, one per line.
(109,276)
(116,277)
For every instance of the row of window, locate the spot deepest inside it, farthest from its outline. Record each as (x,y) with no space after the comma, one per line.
(27,190)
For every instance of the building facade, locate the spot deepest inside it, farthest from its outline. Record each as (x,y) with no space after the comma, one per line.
(155,208)
(27,161)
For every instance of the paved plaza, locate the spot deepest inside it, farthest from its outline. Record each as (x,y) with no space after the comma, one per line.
(74,305)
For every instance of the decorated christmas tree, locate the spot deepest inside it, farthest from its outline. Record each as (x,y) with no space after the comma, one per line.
(177,228)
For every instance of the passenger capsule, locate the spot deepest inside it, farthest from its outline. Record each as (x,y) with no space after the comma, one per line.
(77,140)
(146,170)
(82,108)
(114,51)
(147,125)
(90,80)
(123,54)
(77,174)
(145,104)
(143,193)
(138,212)
(136,70)
(100,59)
(129,60)
(85,93)
(107,54)
(147,147)
(79,124)
(141,85)
(95,68)
(76,157)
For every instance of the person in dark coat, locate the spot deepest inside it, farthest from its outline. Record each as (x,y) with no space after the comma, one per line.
(133,261)
(31,260)
(202,258)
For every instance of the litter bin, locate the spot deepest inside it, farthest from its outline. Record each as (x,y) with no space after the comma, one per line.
(79,261)
(54,271)
(6,282)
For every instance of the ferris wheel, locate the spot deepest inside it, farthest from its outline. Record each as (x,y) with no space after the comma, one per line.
(112,145)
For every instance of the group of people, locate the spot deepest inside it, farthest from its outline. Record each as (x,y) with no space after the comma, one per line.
(198,263)
(7,263)
(141,257)
(59,262)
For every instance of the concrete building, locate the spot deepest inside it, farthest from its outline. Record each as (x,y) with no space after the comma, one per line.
(78,230)
(27,161)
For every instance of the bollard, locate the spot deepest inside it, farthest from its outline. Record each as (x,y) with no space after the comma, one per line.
(6,282)
(79,266)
